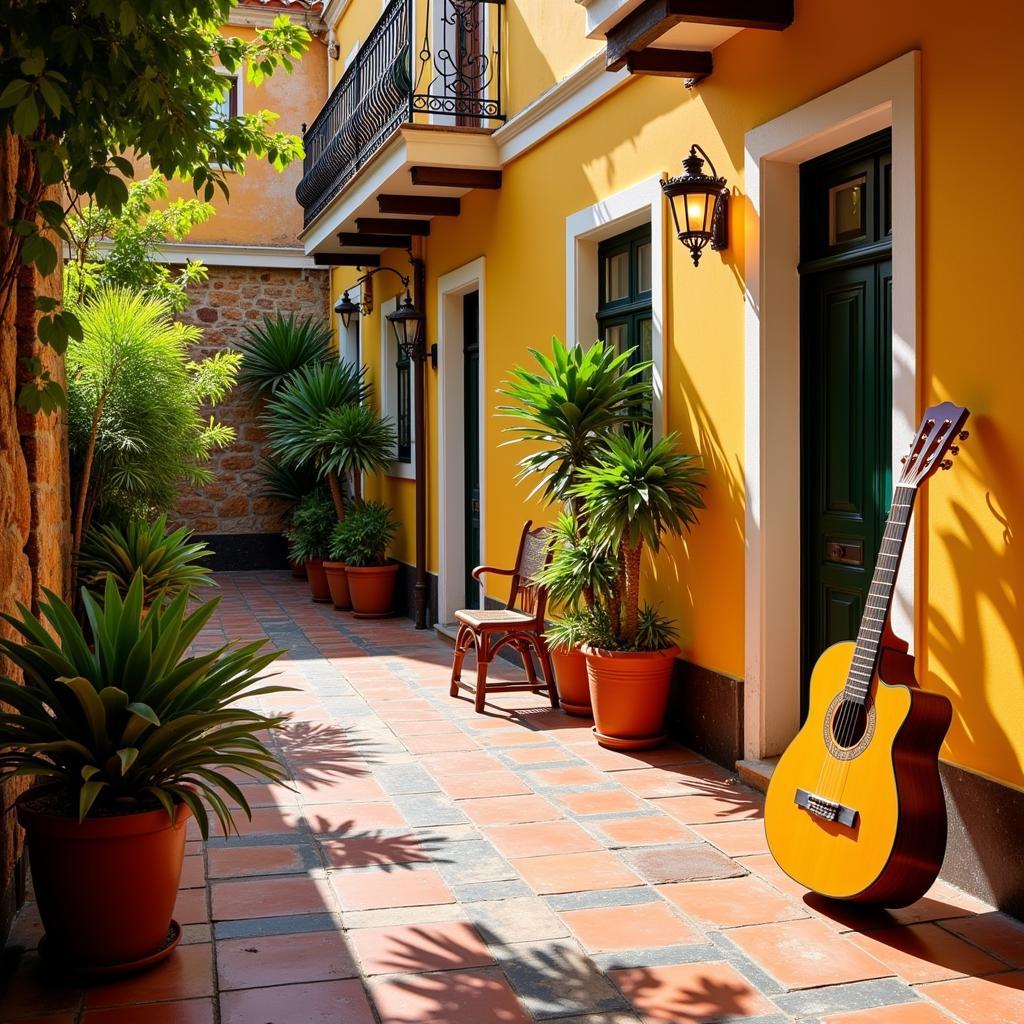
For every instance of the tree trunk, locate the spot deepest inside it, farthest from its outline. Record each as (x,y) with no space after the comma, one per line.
(83,490)
(618,593)
(632,609)
(339,501)
(357,487)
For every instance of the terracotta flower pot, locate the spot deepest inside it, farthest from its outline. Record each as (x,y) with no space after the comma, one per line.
(337,584)
(317,579)
(106,887)
(372,588)
(629,692)
(572,681)
(298,570)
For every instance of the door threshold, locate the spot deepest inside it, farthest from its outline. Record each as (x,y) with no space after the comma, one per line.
(447,630)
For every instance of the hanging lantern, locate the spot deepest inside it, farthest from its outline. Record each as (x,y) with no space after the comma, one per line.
(347,309)
(700,205)
(406,321)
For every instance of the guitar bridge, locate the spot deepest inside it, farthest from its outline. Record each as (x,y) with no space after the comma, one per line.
(827,810)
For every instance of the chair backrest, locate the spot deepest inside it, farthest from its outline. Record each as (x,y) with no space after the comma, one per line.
(534,554)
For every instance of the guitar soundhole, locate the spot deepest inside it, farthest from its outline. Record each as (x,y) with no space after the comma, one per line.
(848,728)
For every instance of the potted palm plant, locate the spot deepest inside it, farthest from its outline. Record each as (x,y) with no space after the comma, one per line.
(635,494)
(309,538)
(361,541)
(563,408)
(273,350)
(128,737)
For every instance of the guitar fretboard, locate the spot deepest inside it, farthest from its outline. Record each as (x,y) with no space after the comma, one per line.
(879,599)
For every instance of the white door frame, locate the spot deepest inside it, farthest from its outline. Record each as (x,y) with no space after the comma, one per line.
(883,98)
(451,436)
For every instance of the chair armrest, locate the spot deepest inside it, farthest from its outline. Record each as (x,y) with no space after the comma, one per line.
(481,569)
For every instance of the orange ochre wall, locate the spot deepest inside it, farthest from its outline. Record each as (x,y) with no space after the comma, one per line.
(971,578)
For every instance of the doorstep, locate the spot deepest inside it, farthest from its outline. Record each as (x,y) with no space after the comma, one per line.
(757,772)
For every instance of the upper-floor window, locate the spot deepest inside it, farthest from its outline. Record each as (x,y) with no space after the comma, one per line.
(624,312)
(228,105)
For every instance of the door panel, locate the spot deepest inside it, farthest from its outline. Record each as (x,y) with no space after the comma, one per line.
(471,433)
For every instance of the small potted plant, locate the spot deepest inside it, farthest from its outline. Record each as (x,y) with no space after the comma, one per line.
(633,495)
(335,570)
(128,736)
(361,542)
(309,538)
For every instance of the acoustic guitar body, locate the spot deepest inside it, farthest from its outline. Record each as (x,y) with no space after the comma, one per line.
(879,774)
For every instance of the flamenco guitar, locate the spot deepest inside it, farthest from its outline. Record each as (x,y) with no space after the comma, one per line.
(855,809)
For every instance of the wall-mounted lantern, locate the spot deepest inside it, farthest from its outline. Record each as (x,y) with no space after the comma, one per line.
(407,323)
(700,205)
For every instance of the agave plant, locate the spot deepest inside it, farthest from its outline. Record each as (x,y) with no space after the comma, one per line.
(167,562)
(579,397)
(356,440)
(117,716)
(273,350)
(295,416)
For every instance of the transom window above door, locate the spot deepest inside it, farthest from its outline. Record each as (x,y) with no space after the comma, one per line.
(624,312)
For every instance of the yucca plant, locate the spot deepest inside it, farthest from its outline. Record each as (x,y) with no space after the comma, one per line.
(286,483)
(275,349)
(167,561)
(578,397)
(116,716)
(581,571)
(295,416)
(355,441)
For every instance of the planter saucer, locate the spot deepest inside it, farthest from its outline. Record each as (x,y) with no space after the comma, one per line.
(621,743)
(374,615)
(114,970)
(577,710)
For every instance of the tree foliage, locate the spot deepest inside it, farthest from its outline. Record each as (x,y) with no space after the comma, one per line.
(133,238)
(90,86)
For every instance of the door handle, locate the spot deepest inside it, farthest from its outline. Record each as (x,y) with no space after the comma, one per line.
(474,505)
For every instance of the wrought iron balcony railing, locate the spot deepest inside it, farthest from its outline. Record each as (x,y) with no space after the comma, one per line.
(453,79)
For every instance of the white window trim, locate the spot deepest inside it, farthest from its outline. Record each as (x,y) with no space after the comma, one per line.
(450,444)
(239,77)
(886,97)
(641,204)
(388,389)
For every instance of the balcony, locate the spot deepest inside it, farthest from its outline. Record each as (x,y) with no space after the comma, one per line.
(450,79)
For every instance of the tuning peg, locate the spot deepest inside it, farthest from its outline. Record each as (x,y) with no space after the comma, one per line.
(964,434)
(954,449)
(904,460)
(946,464)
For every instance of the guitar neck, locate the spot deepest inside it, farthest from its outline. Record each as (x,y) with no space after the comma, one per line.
(879,599)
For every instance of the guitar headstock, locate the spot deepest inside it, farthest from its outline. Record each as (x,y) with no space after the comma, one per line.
(941,426)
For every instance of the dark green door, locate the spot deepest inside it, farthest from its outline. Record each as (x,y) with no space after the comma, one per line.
(471,428)
(846,404)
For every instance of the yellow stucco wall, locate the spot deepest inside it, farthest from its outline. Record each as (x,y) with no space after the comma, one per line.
(971,577)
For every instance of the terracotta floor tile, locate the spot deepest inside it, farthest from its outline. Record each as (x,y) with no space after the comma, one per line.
(906,1013)
(925,952)
(535,755)
(459,763)
(601,801)
(325,1002)
(732,902)
(419,948)
(512,737)
(699,810)
(496,783)
(190,907)
(510,810)
(270,897)
(806,954)
(405,710)
(374,890)
(653,830)
(367,851)
(238,861)
(694,779)
(645,926)
(283,960)
(614,760)
(995,932)
(191,1011)
(330,791)
(681,863)
(351,818)
(192,873)
(266,821)
(691,992)
(736,838)
(575,872)
(763,865)
(573,776)
(451,997)
(996,999)
(432,744)
(188,974)
(541,838)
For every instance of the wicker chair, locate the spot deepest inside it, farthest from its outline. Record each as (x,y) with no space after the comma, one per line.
(519,625)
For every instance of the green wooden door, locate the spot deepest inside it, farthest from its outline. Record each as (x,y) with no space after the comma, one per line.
(471,448)
(846,402)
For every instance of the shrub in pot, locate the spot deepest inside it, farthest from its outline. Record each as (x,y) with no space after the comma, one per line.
(168,561)
(636,493)
(309,538)
(127,736)
(335,570)
(362,541)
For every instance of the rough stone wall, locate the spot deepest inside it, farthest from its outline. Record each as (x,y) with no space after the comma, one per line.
(34,510)
(231,299)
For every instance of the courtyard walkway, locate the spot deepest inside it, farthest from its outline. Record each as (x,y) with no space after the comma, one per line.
(434,866)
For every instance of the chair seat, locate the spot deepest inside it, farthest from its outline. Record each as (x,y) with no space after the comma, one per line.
(496,618)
